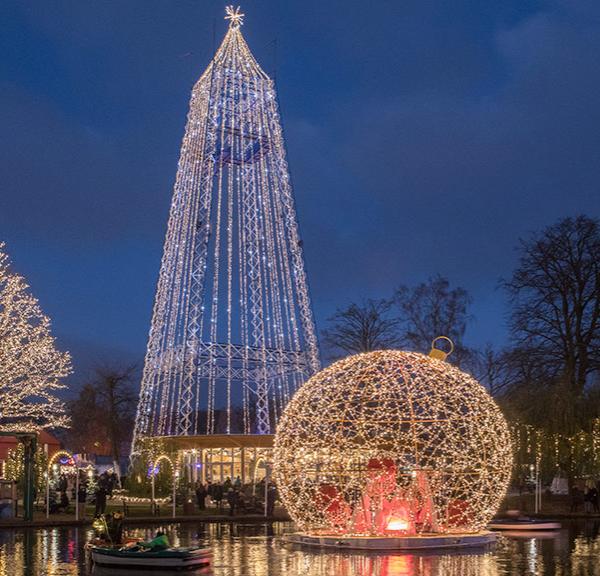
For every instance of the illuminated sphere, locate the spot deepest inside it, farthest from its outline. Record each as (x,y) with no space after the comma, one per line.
(392,442)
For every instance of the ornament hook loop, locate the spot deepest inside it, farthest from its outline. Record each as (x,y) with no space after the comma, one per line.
(438,353)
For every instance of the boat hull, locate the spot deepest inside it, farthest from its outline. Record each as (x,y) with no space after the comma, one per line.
(167,560)
(524,526)
(421,542)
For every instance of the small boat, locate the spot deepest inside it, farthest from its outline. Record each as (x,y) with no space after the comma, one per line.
(171,558)
(531,534)
(101,543)
(523,523)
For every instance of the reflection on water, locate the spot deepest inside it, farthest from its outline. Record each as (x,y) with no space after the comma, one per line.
(257,550)
(321,564)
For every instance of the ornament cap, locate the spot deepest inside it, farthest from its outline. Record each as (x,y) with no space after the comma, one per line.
(438,353)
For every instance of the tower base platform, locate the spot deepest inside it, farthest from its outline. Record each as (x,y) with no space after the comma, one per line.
(420,542)
(216,457)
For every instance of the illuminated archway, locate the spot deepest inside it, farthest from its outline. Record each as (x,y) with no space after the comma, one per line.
(156,462)
(57,455)
(260,460)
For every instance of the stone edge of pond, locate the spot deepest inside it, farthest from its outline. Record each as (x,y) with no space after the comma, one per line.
(222,519)
(254,519)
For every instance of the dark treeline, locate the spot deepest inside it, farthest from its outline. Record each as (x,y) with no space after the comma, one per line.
(103,414)
(547,375)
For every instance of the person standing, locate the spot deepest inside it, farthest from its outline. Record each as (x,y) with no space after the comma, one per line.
(576,498)
(81,500)
(271,497)
(218,494)
(100,494)
(210,490)
(112,481)
(232,498)
(114,523)
(592,499)
(64,500)
(201,494)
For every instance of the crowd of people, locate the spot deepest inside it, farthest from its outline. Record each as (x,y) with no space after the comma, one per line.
(240,498)
(98,488)
(588,498)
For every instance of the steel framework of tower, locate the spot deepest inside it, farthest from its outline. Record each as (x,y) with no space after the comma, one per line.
(232,323)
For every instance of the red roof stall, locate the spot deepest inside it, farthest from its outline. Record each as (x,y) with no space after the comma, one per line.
(45,439)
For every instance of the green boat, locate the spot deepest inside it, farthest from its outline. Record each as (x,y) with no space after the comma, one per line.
(169,559)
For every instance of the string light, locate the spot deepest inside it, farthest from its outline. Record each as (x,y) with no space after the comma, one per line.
(122,496)
(554,452)
(392,442)
(232,310)
(14,466)
(30,365)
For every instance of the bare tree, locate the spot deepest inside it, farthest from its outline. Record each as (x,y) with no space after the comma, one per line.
(555,295)
(434,309)
(491,368)
(115,392)
(103,414)
(88,431)
(362,328)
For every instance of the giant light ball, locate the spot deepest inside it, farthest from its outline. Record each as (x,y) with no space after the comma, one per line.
(392,443)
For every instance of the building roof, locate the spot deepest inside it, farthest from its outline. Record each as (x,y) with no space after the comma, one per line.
(218,441)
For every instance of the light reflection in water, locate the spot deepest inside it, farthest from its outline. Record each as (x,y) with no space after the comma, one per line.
(257,550)
(484,564)
(51,552)
(532,555)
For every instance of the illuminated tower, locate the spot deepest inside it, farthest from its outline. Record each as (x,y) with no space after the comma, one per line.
(232,327)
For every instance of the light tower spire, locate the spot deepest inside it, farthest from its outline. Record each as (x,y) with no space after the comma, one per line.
(232,333)
(235,17)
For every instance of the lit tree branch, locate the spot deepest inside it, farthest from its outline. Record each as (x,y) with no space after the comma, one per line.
(30,365)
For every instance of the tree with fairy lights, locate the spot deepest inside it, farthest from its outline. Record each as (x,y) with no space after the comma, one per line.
(30,365)
(14,467)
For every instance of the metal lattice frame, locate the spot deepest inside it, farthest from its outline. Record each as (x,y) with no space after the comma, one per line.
(392,442)
(232,321)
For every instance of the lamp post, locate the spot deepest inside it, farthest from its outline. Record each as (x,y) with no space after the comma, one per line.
(153,504)
(175,478)
(267,479)
(538,488)
(76,492)
(47,476)
(54,469)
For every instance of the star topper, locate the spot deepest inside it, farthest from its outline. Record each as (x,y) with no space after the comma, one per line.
(235,17)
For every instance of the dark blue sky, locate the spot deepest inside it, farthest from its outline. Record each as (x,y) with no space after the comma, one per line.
(423,137)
